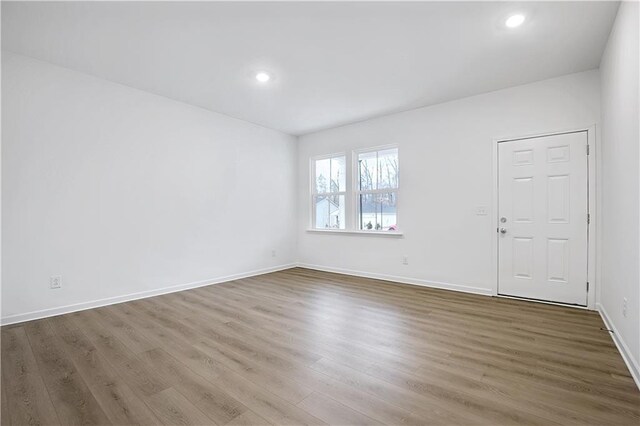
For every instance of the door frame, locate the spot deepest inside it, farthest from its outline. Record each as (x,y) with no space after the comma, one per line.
(594,237)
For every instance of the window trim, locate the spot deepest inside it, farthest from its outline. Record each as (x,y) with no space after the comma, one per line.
(372,233)
(355,189)
(313,193)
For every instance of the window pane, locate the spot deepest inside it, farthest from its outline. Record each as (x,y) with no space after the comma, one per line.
(323,168)
(388,168)
(378,212)
(368,212)
(338,172)
(330,212)
(368,170)
(388,208)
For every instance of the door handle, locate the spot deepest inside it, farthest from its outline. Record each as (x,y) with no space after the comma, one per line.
(503,230)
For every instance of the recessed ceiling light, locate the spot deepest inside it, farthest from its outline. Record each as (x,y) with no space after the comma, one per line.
(514,21)
(263,77)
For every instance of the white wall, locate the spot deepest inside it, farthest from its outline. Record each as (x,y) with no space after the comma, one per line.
(445,173)
(121,191)
(620,158)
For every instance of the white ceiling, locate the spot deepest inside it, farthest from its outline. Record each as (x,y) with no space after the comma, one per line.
(333,63)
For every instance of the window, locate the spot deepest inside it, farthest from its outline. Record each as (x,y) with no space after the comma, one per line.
(377,190)
(356,191)
(328,193)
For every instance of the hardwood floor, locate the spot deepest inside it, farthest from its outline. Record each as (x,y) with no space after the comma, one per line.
(307,347)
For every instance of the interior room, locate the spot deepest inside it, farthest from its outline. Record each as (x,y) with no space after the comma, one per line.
(346,213)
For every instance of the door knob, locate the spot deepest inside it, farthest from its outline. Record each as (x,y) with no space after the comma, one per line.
(503,230)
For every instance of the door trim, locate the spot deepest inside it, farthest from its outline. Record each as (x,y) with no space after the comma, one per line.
(594,237)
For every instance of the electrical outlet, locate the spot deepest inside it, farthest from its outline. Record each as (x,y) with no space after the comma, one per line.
(624,307)
(405,260)
(55,281)
(481,211)
(273,253)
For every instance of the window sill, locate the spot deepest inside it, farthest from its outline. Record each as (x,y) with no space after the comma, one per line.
(391,234)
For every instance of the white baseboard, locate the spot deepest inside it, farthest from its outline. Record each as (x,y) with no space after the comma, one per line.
(45,313)
(404,280)
(632,364)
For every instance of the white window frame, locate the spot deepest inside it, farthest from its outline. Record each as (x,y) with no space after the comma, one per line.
(314,193)
(356,192)
(351,194)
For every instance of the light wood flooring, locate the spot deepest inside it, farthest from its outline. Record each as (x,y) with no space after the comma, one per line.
(306,347)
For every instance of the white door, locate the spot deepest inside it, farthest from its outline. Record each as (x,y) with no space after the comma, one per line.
(542,218)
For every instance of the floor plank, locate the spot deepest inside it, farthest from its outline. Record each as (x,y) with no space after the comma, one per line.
(248,418)
(172,408)
(308,347)
(74,403)
(333,412)
(23,387)
(209,398)
(117,400)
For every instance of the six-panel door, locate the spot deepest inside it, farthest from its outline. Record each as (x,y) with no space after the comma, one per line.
(543,207)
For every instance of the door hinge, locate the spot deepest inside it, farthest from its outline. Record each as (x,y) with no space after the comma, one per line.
(587,286)
(588,150)
(588,218)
